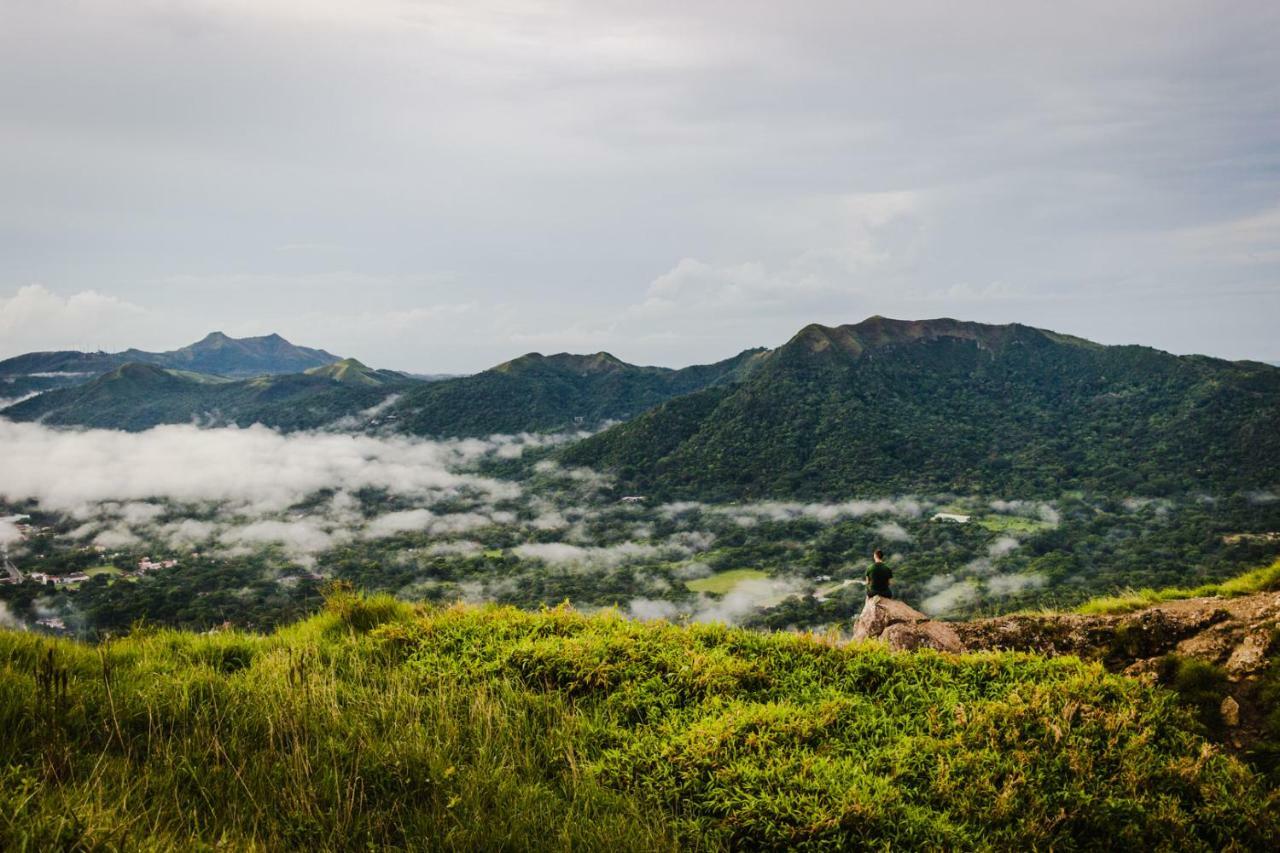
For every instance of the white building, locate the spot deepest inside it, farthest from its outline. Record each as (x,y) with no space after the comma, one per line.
(952,516)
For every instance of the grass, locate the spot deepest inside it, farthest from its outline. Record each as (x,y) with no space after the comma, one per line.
(1264,579)
(723,582)
(113,571)
(1012,524)
(376,725)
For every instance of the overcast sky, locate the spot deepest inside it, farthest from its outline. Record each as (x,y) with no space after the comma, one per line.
(438,186)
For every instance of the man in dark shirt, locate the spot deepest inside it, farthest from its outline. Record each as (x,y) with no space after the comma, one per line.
(878,577)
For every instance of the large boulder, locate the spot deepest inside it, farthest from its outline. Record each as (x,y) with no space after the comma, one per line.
(879,613)
(903,628)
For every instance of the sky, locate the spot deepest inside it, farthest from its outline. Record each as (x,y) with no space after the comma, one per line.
(439,186)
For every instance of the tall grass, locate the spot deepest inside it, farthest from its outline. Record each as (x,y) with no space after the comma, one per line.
(1264,579)
(376,725)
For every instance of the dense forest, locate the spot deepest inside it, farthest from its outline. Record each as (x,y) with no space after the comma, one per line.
(891,406)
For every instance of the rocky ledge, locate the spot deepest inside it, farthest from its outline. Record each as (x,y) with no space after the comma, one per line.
(1241,636)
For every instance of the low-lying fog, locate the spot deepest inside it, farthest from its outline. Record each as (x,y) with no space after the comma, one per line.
(228,491)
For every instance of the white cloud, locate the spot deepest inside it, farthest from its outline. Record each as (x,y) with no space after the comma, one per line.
(34,319)
(406,521)
(254,467)
(947,595)
(116,537)
(8,620)
(1003,585)
(891,531)
(823,512)
(9,534)
(1003,546)
(297,537)
(650,609)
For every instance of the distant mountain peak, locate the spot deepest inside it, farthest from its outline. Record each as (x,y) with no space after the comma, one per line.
(599,362)
(350,371)
(878,331)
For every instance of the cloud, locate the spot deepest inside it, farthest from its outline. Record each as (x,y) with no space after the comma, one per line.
(9,534)
(1003,546)
(254,467)
(746,598)
(947,594)
(116,537)
(831,160)
(5,402)
(297,537)
(1003,585)
(891,531)
(8,620)
(650,609)
(35,318)
(560,553)
(400,522)
(749,513)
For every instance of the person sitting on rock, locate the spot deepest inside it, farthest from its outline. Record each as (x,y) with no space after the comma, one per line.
(878,577)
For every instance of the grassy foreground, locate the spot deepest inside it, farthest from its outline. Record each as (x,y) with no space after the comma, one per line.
(1264,579)
(375,724)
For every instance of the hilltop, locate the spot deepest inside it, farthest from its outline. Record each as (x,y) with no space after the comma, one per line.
(351,371)
(1218,646)
(540,393)
(892,406)
(379,724)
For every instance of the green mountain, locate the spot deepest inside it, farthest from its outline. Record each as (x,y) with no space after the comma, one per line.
(539,393)
(140,396)
(890,406)
(350,371)
(215,354)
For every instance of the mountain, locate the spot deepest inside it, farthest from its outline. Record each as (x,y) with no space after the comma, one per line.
(350,371)
(892,406)
(140,396)
(214,354)
(538,392)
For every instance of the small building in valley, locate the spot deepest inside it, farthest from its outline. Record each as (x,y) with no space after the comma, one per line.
(954,517)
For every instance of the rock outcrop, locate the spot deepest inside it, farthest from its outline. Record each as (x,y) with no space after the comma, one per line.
(904,628)
(1238,634)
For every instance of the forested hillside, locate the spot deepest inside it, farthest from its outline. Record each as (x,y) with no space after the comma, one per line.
(888,406)
(140,396)
(537,393)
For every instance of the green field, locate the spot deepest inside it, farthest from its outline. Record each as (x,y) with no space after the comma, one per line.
(375,725)
(722,582)
(113,571)
(1012,524)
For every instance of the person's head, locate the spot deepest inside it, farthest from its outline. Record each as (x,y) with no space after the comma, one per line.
(878,555)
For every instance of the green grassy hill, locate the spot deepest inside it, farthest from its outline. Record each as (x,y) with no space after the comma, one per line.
(376,724)
(893,406)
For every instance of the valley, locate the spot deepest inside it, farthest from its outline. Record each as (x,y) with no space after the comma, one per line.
(963,451)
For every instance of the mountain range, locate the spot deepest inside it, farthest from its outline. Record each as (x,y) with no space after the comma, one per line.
(531,393)
(874,407)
